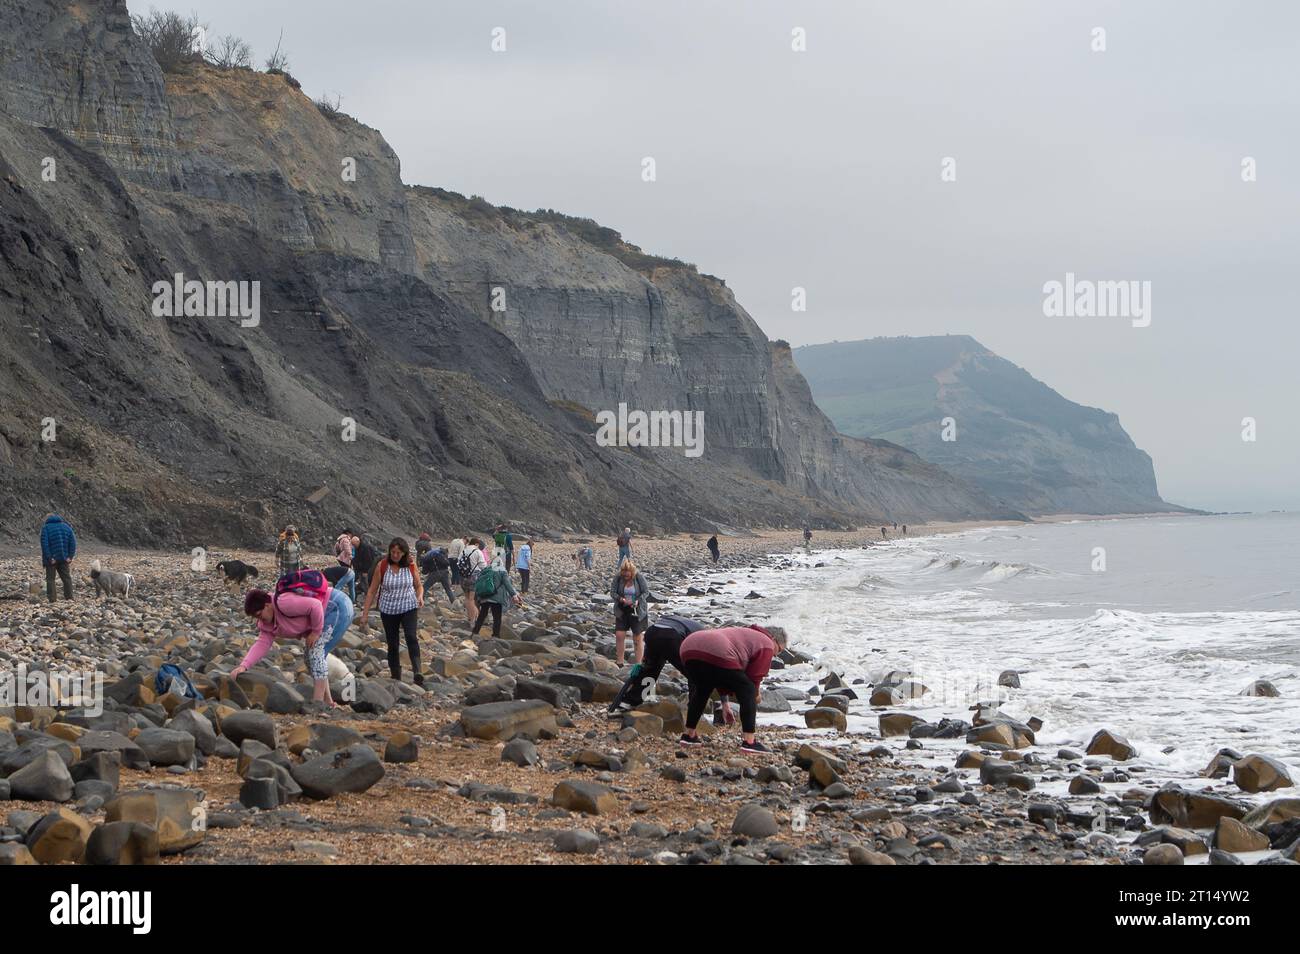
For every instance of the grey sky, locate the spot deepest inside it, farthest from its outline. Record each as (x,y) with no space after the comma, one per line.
(821,169)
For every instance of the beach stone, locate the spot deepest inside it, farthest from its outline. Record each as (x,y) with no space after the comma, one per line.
(1221,765)
(1278,810)
(401,747)
(808,755)
(1084,785)
(123,843)
(823,773)
(251,724)
(577,841)
(198,726)
(969,759)
(996,772)
(93,787)
(45,779)
(755,821)
(586,797)
(770,701)
(1009,678)
(1162,855)
(13,853)
(521,752)
(834,702)
(556,695)
(644,723)
(669,711)
(1260,773)
(322,737)
(167,746)
(1261,687)
(825,717)
(897,723)
(1187,841)
(58,837)
(1232,835)
(1220,857)
(262,793)
(353,769)
(174,813)
(504,720)
(33,748)
(859,855)
(1110,744)
(1172,805)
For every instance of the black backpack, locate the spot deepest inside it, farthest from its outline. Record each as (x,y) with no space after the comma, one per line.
(463,566)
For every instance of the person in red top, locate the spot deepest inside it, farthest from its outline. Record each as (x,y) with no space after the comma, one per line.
(733,660)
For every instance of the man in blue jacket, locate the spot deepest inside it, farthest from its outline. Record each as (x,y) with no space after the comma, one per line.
(58,547)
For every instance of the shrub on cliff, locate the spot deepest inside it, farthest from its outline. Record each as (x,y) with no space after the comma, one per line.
(172,38)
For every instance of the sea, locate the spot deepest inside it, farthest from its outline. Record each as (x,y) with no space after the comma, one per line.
(1152,627)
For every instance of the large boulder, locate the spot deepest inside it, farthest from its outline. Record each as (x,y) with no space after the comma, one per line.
(123,843)
(1278,810)
(197,725)
(1231,835)
(60,836)
(323,737)
(402,747)
(1260,773)
(1111,744)
(238,726)
(104,740)
(353,769)
(669,711)
(586,797)
(33,749)
(45,779)
(826,717)
(533,718)
(176,814)
(167,746)
(1172,805)
(898,723)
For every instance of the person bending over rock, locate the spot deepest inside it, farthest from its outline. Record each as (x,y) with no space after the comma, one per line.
(733,660)
(663,643)
(291,616)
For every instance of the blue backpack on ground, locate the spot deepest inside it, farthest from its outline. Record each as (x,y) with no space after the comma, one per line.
(169,676)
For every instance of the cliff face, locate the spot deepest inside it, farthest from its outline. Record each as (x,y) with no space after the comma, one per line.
(375,309)
(1015,437)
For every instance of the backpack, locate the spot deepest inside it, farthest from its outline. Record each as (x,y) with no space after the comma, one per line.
(485,586)
(303,583)
(172,678)
(464,567)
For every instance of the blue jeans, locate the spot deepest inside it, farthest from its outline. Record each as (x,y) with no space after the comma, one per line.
(348,582)
(338,617)
(624,553)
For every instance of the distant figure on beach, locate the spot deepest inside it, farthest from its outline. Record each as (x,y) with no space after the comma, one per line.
(288,551)
(525,565)
(493,590)
(713,547)
(471,563)
(884,533)
(807,536)
(364,557)
(631,595)
(625,545)
(499,541)
(588,554)
(510,550)
(58,547)
(904,529)
(343,552)
(663,643)
(437,569)
(733,660)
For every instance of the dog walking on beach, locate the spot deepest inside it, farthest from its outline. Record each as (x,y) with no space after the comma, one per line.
(108,583)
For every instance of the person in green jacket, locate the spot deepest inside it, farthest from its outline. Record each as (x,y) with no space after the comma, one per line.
(494,601)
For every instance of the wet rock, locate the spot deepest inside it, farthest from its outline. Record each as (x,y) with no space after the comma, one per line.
(1111,744)
(1084,785)
(1278,810)
(1172,805)
(1261,687)
(1009,678)
(1162,855)
(1220,857)
(1232,835)
(1260,773)
(123,843)
(824,717)
(897,723)
(353,769)
(1221,765)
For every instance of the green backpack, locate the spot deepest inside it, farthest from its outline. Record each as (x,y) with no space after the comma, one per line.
(485,586)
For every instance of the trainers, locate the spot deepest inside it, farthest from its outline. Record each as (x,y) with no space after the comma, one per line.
(755,746)
(688,740)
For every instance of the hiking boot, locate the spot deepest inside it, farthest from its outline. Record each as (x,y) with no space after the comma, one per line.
(688,740)
(418,679)
(756,747)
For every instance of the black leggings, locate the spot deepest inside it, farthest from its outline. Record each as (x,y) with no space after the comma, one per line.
(705,677)
(496,618)
(405,621)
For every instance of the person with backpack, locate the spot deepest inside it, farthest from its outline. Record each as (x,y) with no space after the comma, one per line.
(343,553)
(525,565)
(288,551)
(295,611)
(395,584)
(422,546)
(58,547)
(437,569)
(493,590)
(625,545)
(631,595)
(471,564)
(734,660)
(363,561)
(454,551)
(510,550)
(713,547)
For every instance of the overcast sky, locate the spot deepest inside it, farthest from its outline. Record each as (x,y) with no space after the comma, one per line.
(821,169)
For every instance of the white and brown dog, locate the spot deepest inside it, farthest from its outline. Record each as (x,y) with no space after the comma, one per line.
(108,583)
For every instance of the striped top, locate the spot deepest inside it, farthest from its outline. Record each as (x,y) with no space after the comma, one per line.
(397,591)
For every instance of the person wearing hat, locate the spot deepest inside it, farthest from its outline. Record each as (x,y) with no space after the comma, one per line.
(288,551)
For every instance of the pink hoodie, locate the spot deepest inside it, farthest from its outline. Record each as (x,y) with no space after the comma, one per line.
(295,618)
(747,648)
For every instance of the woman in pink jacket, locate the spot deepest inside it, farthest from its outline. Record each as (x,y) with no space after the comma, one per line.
(289,617)
(734,660)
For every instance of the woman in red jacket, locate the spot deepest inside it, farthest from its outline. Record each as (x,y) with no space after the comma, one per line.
(734,661)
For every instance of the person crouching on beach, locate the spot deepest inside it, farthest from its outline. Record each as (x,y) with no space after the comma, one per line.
(292,616)
(733,660)
(631,595)
(395,583)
